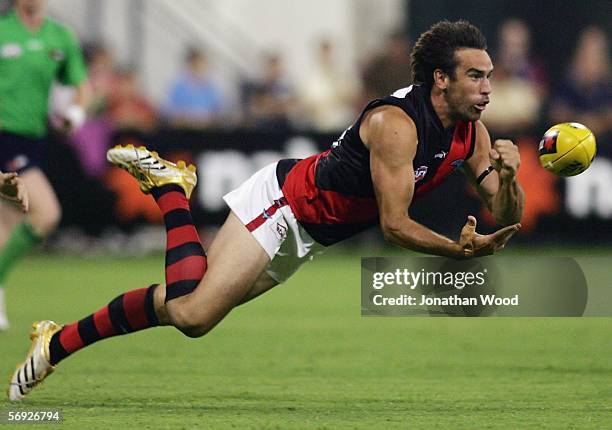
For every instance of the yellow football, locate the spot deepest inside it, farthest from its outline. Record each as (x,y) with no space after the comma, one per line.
(567,149)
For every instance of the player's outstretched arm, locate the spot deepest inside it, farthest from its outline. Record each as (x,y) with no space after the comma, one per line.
(12,189)
(493,170)
(391,138)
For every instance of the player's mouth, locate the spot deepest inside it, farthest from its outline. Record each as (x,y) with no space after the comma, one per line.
(481,106)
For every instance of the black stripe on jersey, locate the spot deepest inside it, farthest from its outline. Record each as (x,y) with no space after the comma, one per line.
(282,169)
(337,173)
(328,234)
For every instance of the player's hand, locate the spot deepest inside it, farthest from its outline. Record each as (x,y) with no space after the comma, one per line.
(505,158)
(13,189)
(477,245)
(70,120)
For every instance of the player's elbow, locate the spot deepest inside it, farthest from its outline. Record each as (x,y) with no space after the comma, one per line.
(391,228)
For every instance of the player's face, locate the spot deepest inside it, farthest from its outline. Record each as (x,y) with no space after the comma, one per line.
(468,93)
(32,6)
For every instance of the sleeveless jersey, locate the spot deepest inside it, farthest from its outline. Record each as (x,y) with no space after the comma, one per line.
(332,195)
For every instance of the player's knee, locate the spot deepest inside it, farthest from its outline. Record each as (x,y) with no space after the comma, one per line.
(189,323)
(46,221)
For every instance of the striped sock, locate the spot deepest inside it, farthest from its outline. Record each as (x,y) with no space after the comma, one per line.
(130,312)
(185,257)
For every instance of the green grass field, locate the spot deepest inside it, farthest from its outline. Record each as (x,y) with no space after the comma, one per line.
(302,357)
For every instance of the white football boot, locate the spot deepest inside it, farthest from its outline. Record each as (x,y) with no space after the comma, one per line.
(36,366)
(150,170)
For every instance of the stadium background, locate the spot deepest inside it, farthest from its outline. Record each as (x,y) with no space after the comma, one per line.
(311,360)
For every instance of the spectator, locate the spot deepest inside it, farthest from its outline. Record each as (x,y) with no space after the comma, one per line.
(519,82)
(585,95)
(329,94)
(194,100)
(128,108)
(91,141)
(390,69)
(269,101)
(102,75)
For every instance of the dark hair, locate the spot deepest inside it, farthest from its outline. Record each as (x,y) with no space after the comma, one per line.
(436,48)
(193,53)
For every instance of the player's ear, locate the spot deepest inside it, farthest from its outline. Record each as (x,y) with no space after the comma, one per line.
(440,79)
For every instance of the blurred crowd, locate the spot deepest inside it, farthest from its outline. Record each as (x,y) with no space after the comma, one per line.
(328,100)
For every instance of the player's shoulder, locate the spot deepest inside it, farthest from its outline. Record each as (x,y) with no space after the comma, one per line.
(7,20)
(388,114)
(57,29)
(387,123)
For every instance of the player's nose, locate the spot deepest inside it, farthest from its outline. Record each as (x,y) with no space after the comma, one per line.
(486,86)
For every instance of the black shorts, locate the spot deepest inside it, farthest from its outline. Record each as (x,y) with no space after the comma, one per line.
(19,153)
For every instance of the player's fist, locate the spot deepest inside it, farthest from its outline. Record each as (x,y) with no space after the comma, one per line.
(505,158)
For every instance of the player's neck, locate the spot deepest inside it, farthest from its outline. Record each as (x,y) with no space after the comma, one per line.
(440,105)
(32,19)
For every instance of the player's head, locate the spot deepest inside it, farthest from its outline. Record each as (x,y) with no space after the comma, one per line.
(451,58)
(31,7)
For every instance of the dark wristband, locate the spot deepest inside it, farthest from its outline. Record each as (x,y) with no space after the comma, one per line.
(484,174)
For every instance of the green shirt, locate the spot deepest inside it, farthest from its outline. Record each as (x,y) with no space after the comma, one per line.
(29,63)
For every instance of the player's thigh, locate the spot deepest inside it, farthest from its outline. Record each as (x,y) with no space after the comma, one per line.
(264,283)
(235,261)
(44,205)
(41,193)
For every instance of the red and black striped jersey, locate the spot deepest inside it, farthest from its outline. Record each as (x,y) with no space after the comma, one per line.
(332,195)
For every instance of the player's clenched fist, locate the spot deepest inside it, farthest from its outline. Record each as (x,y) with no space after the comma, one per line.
(505,158)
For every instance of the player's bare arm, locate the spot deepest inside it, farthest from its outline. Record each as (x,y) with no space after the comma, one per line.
(391,138)
(493,169)
(76,113)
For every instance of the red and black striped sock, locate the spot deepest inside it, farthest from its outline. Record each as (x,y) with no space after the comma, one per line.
(185,256)
(130,312)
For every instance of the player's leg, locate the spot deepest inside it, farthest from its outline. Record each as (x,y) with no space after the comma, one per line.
(197,298)
(129,312)
(41,220)
(264,283)
(25,232)
(235,262)
(197,306)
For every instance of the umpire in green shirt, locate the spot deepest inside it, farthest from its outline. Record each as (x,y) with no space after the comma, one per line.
(34,52)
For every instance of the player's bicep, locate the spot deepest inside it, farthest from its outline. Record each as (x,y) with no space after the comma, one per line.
(392,141)
(478,168)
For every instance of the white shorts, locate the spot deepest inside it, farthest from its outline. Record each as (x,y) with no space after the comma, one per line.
(260,205)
